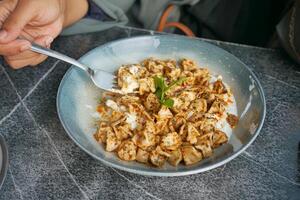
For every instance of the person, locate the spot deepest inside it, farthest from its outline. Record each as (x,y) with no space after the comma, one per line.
(41,21)
(38,21)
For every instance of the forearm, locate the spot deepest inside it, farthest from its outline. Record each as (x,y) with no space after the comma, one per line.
(74,11)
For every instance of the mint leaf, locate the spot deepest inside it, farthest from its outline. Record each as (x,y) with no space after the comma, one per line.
(159,82)
(158,93)
(161,88)
(177,82)
(168,103)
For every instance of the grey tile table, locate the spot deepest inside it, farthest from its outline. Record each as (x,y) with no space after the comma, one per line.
(46,164)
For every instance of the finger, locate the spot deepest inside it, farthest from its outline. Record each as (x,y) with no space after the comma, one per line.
(15,22)
(19,46)
(44,41)
(38,60)
(15,47)
(6,6)
(20,63)
(28,57)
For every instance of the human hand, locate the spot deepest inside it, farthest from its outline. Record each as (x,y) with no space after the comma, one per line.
(39,21)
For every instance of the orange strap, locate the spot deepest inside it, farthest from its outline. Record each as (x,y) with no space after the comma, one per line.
(164,24)
(164,18)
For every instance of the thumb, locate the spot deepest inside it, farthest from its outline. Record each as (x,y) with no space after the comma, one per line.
(14,24)
(44,40)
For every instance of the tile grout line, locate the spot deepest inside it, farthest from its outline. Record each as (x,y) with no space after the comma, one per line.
(280,81)
(40,80)
(10,113)
(15,185)
(131,182)
(14,108)
(248,157)
(29,93)
(268,169)
(247,153)
(35,122)
(56,152)
(50,139)
(275,108)
(223,168)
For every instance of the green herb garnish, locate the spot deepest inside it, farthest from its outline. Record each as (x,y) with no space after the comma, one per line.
(161,88)
(168,103)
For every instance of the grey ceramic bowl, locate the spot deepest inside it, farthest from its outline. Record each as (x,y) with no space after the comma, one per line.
(77,97)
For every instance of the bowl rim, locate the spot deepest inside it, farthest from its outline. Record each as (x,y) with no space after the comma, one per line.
(4,166)
(162,173)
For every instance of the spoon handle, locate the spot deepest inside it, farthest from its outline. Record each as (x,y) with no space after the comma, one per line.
(42,50)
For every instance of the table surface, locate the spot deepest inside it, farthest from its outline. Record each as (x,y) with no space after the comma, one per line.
(46,164)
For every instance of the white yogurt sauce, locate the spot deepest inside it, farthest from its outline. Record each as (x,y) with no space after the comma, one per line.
(133,69)
(113,105)
(190,114)
(214,78)
(165,112)
(131,120)
(132,84)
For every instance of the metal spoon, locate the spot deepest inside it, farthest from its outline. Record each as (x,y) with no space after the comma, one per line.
(101,79)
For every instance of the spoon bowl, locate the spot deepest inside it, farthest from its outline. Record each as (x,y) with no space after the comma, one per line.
(102,79)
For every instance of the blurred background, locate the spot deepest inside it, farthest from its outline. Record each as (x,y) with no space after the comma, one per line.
(250,22)
(263,23)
